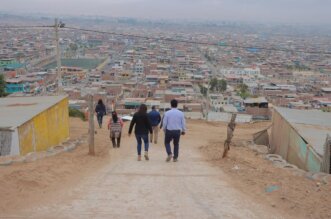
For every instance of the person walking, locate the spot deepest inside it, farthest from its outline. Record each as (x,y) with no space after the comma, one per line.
(115,126)
(155,119)
(161,123)
(173,126)
(142,127)
(100,110)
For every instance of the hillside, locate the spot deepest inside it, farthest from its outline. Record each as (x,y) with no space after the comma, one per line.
(201,185)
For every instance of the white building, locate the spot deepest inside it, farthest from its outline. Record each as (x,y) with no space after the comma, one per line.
(139,67)
(249,72)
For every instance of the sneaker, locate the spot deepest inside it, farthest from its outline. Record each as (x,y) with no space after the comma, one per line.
(169,158)
(175,159)
(146,155)
(139,157)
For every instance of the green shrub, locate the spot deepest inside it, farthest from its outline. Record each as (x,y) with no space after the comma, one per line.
(76,113)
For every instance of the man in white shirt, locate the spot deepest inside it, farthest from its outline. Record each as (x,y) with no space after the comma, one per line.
(173,126)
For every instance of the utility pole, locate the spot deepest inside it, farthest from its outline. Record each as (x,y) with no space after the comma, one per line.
(91,125)
(58,57)
(207,100)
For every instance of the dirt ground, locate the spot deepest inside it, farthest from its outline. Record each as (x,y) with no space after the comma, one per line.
(113,184)
(249,172)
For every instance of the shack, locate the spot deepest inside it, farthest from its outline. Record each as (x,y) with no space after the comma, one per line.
(302,137)
(32,124)
(258,108)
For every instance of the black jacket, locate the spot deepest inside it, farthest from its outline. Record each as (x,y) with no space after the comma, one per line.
(100,109)
(142,124)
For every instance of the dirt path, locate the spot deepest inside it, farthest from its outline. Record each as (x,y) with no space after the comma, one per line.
(126,188)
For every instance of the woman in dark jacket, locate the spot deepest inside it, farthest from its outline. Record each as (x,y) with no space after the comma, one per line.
(142,127)
(100,110)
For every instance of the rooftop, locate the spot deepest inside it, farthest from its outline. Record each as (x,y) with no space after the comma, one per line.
(15,111)
(256,100)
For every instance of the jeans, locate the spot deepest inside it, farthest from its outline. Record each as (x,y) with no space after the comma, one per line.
(139,138)
(169,136)
(118,141)
(99,117)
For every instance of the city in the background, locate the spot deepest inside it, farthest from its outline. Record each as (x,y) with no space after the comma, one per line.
(212,69)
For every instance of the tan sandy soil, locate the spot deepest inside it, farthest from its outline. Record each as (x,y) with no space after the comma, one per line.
(298,196)
(24,184)
(114,185)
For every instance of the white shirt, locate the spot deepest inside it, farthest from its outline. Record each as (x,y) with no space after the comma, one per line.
(174,120)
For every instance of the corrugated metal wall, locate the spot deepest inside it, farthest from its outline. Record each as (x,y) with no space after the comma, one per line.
(326,164)
(45,130)
(285,141)
(5,142)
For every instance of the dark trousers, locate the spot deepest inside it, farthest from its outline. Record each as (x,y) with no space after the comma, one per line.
(99,117)
(118,141)
(169,136)
(140,138)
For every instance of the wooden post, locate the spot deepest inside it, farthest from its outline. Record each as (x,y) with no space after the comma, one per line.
(230,130)
(91,125)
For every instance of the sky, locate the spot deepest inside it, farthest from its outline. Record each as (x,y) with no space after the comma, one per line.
(276,11)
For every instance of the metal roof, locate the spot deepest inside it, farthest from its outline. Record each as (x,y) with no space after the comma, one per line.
(311,125)
(326,89)
(15,111)
(256,100)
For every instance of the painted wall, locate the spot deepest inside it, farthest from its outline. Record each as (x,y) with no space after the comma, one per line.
(285,141)
(14,88)
(9,144)
(49,128)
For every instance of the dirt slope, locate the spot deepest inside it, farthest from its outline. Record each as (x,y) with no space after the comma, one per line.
(114,185)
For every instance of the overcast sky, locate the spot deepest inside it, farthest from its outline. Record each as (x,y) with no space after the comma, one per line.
(288,11)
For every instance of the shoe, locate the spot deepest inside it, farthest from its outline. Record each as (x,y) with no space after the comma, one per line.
(139,158)
(146,155)
(169,158)
(155,142)
(175,159)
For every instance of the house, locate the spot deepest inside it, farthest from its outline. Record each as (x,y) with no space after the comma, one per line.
(32,124)
(16,85)
(302,137)
(326,91)
(5,62)
(257,107)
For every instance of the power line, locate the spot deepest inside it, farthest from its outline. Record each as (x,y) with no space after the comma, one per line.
(26,27)
(198,43)
(174,40)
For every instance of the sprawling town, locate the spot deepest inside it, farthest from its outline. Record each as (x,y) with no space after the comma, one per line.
(212,71)
(73,87)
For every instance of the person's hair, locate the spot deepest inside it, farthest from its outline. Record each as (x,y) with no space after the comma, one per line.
(142,109)
(153,107)
(100,102)
(114,116)
(174,103)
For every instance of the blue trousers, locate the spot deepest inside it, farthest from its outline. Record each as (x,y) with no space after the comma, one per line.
(175,136)
(99,117)
(141,138)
